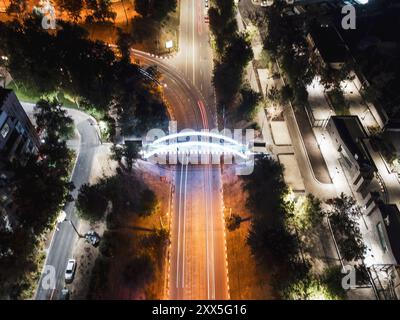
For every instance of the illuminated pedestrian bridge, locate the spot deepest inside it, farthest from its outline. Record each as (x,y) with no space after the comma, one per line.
(199,143)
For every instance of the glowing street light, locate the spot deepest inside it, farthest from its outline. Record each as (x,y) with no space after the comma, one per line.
(169,44)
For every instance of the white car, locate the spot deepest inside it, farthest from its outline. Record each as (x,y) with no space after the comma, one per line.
(70,270)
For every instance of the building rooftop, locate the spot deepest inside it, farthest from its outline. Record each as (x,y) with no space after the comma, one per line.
(391,216)
(352,133)
(330,46)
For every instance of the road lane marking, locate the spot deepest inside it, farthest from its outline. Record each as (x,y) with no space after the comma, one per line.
(193,48)
(207,246)
(179,227)
(199,18)
(209,167)
(184,226)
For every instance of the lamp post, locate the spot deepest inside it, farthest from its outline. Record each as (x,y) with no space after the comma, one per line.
(364,114)
(91,236)
(169,45)
(63,217)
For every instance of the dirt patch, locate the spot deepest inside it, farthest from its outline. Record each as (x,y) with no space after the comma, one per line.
(246,279)
(132,233)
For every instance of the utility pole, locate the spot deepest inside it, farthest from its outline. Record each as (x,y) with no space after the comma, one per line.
(73,226)
(126,16)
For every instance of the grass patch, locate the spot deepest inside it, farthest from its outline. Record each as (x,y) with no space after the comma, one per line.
(67,101)
(247,279)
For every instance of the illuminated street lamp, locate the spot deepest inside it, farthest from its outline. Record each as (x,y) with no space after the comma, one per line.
(169,44)
(91,236)
(62,217)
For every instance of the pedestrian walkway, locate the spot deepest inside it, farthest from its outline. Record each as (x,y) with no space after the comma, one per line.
(313,150)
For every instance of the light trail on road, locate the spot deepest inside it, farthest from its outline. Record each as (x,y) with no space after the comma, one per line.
(198,267)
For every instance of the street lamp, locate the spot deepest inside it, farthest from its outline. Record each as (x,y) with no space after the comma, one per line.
(169,45)
(364,114)
(62,217)
(91,236)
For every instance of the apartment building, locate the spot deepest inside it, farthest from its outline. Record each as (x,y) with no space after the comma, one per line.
(18,140)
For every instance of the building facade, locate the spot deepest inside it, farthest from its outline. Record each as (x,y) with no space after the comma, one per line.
(18,140)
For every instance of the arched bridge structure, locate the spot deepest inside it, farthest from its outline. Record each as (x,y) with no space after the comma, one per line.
(197,143)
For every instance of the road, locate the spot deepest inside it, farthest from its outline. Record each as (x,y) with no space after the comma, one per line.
(63,241)
(198,264)
(198,267)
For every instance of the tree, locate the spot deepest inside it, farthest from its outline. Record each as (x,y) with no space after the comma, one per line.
(110,242)
(304,212)
(162,8)
(101,10)
(310,287)
(143,28)
(91,202)
(228,73)
(16,6)
(42,185)
(85,71)
(129,151)
(51,118)
(156,242)
(233,221)
(331,78)
(73,7)
(286,94)
(268,240)
(157,10)
(148,203)
(142,7)
(338,101)
(222,24)
(273,95)
(249,102)
(265,187)
(124,42)
(139,271)
(343,213)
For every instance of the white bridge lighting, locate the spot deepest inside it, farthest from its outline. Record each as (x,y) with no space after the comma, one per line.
(197,143)
(198,134)
(206,147)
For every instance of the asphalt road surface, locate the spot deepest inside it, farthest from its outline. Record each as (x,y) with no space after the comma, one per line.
(197,259)
(198,265)
(65,238)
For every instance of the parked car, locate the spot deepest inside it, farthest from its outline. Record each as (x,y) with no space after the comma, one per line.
(70,270)
(65,295)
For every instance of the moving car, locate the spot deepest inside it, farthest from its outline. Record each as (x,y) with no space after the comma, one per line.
(206,19)
(70,270)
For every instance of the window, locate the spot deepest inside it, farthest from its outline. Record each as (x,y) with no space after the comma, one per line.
(5,130)
(379,228)
(19,128)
